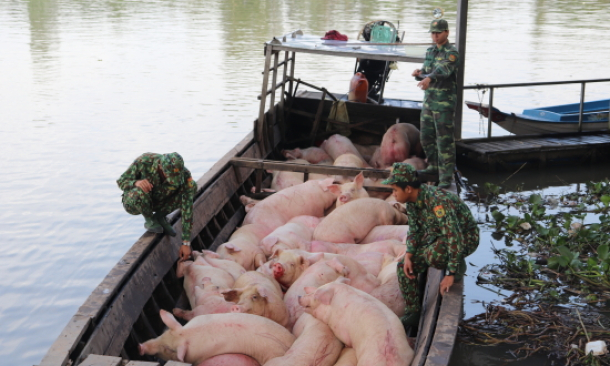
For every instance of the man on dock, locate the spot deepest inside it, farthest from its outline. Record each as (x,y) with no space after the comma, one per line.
(442,232)
(438,78)
(155,185)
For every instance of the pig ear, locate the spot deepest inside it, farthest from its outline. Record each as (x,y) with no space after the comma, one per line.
(181,351)
(309,290)
(169,320)
(231,295)
(315,257)
(325,295)
(269,241)
(263,292)
(344,280)
(231,247)
(276,253)
(334,188)
(338,266)
(326,183)
(359,180)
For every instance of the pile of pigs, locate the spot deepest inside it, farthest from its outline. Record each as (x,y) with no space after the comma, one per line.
(310,276)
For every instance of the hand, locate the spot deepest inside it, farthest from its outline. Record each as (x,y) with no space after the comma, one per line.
(144,185)
(416,72)
(185,252)
(424,84)
(446,284)
(408,267)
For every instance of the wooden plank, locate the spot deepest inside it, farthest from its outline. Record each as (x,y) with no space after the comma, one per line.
(142,363)
(98,360)
(429,313)
(66,342)
(228,229)
(176,363)
(446,327)
(113,328)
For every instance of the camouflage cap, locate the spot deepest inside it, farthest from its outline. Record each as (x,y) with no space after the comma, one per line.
(402,172)
(172,165)
(438,25)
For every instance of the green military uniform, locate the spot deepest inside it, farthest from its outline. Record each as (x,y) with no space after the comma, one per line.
(442,232)
(436,121)
(175,191)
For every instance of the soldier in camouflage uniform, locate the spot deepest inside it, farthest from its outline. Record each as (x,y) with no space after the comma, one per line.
(155,185)
(442,232)
(438,77)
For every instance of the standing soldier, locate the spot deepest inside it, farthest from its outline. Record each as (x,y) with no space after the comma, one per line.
(155,185)
(438,77)
(442,232)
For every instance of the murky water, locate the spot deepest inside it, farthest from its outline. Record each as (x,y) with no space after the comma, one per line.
(85,87)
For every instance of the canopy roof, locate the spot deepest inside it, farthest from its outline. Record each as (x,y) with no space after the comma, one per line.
(299,42)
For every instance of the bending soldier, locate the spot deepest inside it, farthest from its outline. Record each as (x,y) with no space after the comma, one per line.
(442,232)
(155,185)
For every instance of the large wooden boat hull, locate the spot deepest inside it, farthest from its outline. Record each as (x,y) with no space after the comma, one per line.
(554,119)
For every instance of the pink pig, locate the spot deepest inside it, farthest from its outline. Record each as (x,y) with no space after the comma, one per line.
(390,246)
(206,336)
(259,299)
(230,359)
(337,145)
(194,274)
(350,223)
(350,161)
(399,142)
(296,234)
(311,198)
(360,321)
(389,291)
(349,191)
(313,155)
(213,259)
(315,345)
(387,232)
(208,300)
(243,246)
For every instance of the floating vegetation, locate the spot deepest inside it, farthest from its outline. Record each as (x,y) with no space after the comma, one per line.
(555,261)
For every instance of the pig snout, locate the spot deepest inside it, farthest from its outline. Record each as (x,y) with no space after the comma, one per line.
(344,198)
(141,349)
(278,270)
(237,309)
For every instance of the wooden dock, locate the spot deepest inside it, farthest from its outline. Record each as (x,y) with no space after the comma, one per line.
(511,152)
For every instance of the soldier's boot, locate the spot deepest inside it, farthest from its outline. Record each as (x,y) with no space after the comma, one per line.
(151,225)
(167,228)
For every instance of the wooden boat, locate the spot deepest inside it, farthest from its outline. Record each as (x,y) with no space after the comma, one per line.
(553,119)
(123,310)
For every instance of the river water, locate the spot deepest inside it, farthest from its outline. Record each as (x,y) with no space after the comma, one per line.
(87,86)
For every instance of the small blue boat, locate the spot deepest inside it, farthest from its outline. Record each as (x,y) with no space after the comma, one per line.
(553,119)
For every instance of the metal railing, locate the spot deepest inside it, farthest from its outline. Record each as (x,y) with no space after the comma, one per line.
(491,88)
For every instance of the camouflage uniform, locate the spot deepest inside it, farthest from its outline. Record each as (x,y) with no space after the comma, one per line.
(442,232)
(177,191)
(436,121)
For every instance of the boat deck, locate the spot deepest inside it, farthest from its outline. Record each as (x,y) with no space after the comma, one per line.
(509,152)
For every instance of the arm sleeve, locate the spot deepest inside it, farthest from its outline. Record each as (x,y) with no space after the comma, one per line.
(131,175)
(415,232)
(446,67)
(186,206)
(451,230)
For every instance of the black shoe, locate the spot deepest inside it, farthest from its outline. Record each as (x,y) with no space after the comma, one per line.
(167,228)
(410,319)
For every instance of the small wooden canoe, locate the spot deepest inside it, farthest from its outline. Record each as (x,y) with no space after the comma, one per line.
(123,310)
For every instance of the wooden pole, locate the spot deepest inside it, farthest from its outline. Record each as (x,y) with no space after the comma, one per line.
(460,41)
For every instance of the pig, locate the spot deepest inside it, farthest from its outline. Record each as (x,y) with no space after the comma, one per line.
(310,198)
(416,162)
(347,357)
(373,262)
(313,155)
(360,321)
(283,179)
(315,345)
(390,246)
(387,232)
(259,299)
(243,246)
(251,277)
(230,359)
(194,273)
(389,291)
(208,299)
(325,271)
(289,265)
(206,336)
(292,235)
(399,142)
(213,259)
(351,222)
(337,145)
(350,161)
(349,191)
(366,151)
